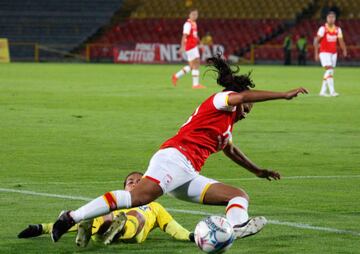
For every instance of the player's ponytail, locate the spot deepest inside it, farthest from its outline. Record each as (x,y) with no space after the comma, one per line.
(226,75)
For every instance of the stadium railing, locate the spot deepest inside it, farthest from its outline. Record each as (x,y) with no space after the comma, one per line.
(103,52)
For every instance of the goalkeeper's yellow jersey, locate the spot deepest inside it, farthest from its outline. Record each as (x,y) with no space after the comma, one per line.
(155,216)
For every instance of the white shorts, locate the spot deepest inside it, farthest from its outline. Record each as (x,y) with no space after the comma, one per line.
(176,176)
(192,54)
(328,59)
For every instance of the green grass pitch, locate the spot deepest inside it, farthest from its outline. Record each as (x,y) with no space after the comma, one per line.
(78,129)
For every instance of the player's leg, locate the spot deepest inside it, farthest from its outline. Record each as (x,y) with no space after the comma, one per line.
(325,61)
(144,192)
(237,202)
(194,62)
(208,191)
(161,175)
(331,77)
(195,73)
(180,73)
(165,173)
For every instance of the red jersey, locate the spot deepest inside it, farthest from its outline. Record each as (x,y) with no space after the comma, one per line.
(329,38)
(190,30)
(208,130)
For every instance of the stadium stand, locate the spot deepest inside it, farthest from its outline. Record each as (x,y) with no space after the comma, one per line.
(65,23)
(347,9)
(234,34)
(228,9)
(234,24)
(237,25)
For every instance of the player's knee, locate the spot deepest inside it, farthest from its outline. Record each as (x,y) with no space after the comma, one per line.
(141,199)
(239,193)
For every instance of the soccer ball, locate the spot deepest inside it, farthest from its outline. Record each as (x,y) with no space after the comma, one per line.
(214,234)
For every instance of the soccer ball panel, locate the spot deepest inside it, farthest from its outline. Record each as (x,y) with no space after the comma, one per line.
(214,234)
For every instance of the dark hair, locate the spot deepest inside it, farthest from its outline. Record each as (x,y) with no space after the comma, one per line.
(226,75)
(130,174)
(331,13)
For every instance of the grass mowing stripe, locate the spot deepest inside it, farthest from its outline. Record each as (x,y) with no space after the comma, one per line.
(275,222)
(220,179)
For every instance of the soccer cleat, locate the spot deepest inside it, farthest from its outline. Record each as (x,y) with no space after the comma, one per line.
(84,233)
(251,227)
(62,225)
(174,80)
(31,231)
(115,228)
(334,94)
(198,86)
(192,237)
(324,94)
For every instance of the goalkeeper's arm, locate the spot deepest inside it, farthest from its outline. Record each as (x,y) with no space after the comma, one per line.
(172,227)
(177,231)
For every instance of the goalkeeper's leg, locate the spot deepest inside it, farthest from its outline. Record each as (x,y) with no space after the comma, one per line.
(33,230)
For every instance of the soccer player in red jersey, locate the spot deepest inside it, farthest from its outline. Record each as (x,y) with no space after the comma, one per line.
(327,36)
(189,45)
(175,168)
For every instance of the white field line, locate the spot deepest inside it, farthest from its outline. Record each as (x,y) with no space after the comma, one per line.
(219,179)
(293,177)
(275,222)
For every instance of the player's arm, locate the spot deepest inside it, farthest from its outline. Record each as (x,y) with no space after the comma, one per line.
(182,44)
(167,224)
(258,96)
(320,33)
(343,46)
(236,155)
(316,47)
(186,32)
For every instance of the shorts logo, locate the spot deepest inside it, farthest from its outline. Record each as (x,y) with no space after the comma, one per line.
(167,179)
(144,208)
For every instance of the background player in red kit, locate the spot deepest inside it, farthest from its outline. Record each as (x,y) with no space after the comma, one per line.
(189,45)
(328,35)
(174,169)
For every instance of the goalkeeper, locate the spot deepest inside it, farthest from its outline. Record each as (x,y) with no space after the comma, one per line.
(126,225)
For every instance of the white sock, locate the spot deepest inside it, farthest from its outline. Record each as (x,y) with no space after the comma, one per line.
(195,77)
(328,76)
(330,83)
(323,87)
(183,71)
(236,211)
(102,205)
